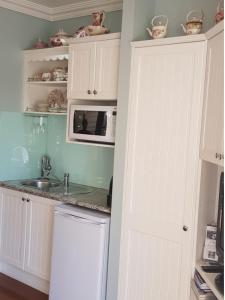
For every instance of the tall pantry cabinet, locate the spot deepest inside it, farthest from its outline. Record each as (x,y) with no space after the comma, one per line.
(163,168)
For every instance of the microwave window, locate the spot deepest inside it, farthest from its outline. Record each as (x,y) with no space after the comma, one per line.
(90,122)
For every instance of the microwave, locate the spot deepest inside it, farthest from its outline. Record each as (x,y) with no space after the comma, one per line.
(92,123)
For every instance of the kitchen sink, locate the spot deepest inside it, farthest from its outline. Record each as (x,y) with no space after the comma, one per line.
(42,183)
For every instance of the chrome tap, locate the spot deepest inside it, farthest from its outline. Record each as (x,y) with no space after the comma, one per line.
(45,166)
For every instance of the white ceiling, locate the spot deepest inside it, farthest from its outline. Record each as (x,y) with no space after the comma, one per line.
(53,10)
(56,3)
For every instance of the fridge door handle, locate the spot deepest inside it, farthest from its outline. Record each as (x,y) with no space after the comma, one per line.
(77,219)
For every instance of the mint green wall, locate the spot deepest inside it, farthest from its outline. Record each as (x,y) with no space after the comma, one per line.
(86,164)
(177,10)
(113,22)
(21,145)
(23,142)
(17,32)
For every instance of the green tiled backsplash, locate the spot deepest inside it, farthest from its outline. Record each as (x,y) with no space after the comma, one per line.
(24,139)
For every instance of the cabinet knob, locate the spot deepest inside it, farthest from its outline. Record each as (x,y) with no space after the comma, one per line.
(23,199)
(185,228)
(89,92)
(217,155)
(95,92)
(28,200)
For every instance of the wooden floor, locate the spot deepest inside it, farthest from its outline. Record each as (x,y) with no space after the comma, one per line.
(11,289)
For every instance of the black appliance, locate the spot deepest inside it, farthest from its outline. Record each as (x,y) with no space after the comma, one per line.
(109,196)
(219,281)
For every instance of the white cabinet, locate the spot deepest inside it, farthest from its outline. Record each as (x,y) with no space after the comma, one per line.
(26,232)
(39,236)
(162,169)
(93,68)
(13,223)
(213,122)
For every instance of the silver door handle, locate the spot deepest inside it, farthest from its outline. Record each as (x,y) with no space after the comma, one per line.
(77,219)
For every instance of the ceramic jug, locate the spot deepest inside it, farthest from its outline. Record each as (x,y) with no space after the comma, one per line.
(159,27)
(194,22)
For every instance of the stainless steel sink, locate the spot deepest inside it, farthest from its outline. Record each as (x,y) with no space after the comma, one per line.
(42,184)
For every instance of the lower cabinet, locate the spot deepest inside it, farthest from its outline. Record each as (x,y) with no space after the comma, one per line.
(13,223)
(26,232)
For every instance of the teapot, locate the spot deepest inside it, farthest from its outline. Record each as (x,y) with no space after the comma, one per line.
(159,27)
(194,22)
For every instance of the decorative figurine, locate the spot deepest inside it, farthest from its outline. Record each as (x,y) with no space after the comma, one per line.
(95,28)
(59,39)
(194,22)
(159,27)
(56,101)
(220,12)
(40,44)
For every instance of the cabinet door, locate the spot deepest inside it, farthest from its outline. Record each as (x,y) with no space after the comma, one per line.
(13,222)
(106,70)
(162,172)
(81,71)
(212,131)
(39,236)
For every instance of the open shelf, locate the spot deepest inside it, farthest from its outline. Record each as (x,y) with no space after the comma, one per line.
(49,83)
(209,278)
(39,113)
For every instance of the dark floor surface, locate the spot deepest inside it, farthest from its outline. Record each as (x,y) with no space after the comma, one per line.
(11,289)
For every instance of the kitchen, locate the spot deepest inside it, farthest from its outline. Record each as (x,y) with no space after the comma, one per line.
(90,165)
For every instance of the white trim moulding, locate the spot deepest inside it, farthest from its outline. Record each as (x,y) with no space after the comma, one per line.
(62,12)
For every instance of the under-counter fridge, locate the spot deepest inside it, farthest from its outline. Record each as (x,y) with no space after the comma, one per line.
(80,254)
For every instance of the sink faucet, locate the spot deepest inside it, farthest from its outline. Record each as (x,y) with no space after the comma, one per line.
(45,166)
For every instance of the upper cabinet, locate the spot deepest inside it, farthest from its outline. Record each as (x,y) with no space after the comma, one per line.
(213,118)
(94,67)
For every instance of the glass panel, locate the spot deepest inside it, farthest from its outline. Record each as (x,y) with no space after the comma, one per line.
(90,122)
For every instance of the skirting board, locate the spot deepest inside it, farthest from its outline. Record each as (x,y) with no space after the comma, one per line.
(24,277)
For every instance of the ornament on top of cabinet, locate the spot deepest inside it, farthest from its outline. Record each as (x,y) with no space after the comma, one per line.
(40,44)
(159,27)
(59,39)
(220,11)
(194,22)
(96,28)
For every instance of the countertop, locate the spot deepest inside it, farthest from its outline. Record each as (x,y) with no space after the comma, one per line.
(79,195)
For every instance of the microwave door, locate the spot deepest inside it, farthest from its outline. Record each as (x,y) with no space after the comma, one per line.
(90,125)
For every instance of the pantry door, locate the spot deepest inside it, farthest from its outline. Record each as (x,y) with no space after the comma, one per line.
(162,171)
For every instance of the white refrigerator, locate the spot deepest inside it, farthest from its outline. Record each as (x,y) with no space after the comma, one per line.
(80,254)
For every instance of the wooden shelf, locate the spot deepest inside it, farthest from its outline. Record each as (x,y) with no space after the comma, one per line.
(39,113)
(209,278)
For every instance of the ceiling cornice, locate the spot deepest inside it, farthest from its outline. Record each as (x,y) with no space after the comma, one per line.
(84,8)
(63,12)
(28,8)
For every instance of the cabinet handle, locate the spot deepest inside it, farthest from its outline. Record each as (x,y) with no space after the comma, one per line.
(217,155)
(185,228)
(23,199)
(89,92)
(95,92)
(28,200)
